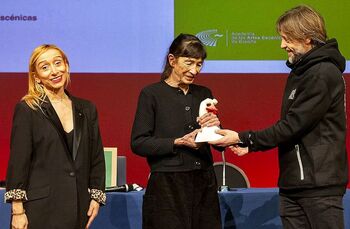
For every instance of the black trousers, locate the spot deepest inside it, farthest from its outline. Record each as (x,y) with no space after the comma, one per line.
(312,212)
(181,200)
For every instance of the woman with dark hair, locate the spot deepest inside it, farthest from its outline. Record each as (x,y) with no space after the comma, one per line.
(182,188)
(56,172)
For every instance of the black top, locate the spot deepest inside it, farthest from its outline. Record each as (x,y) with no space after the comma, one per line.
(41,167)
(163,114)
(311,133)
(69,139)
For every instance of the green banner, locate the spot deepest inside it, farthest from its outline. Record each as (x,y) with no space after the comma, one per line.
(245,30)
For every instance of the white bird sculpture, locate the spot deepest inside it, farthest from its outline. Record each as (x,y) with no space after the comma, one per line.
(208,133)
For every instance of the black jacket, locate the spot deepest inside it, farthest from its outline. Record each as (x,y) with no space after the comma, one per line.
(311,132)
(163,114)
(56,180)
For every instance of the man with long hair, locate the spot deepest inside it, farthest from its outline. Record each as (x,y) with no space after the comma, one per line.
(311,132)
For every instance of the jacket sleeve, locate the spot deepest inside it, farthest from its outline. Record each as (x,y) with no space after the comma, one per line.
(143,141)
(97,169)
(20,154)
(307,110)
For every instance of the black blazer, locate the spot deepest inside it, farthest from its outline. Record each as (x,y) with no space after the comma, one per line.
(56,180)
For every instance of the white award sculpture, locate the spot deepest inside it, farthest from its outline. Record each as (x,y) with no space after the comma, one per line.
(208,133)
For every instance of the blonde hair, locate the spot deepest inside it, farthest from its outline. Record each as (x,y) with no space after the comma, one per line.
(303,22)
(36,94)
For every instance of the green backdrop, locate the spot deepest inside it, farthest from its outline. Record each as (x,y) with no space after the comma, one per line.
(245,30)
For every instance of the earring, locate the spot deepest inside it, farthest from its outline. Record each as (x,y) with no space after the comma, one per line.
(38,86)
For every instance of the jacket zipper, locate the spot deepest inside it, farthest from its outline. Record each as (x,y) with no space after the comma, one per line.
(300,162)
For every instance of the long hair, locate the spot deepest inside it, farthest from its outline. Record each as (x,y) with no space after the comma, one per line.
(303,22)
(184,45)
(36,93)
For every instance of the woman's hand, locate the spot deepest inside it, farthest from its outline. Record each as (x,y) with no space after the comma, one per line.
(188,140)
(209,119)
(19,221)
(92,212)
(19,218)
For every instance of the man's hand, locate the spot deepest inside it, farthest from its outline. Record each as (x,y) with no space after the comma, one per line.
(229,138)
(239,150)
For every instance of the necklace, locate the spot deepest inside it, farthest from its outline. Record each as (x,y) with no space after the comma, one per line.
(58,99)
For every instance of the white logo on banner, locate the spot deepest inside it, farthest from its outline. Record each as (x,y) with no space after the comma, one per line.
(209,37)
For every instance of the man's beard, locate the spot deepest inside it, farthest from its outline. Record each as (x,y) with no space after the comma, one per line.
(296,57)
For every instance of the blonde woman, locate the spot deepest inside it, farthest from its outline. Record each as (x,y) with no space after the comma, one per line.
(56,171)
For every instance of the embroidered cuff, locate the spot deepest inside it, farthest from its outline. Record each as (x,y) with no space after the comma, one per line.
(98,195)
(15,194)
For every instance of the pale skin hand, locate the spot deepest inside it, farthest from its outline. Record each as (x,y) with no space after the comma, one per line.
(18,221)
(188,140)
(229,138)
(239,150)
(208,119)
(92,212)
